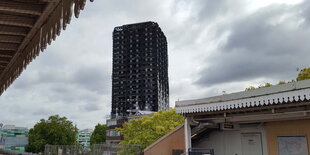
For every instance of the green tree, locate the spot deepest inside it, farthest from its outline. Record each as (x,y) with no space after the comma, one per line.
(281,82)
(54,131)
(146,130)
(261,86)
(250,88)
(304,74)
(99,134)
(266,85)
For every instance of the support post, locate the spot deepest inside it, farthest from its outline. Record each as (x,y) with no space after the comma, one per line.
(187,130)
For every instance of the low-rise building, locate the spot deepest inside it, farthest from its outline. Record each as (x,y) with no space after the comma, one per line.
(266,121)
(113,137)
(84,137)
(13,138)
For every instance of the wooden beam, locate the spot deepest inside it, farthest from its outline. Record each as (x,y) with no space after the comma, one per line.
(51,1)
(21,8)
(13,30)
(5,56)
(4,61)
(11,39)
(10,42)
(11,20)
(7,52)
(8,47)
(3,32)
(20,24)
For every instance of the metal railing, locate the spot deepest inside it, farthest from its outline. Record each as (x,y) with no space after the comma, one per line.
(200,151)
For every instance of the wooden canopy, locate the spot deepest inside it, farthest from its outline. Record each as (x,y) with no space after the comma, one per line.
(26,27)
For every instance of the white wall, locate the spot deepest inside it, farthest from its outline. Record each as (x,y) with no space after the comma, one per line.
(229,142)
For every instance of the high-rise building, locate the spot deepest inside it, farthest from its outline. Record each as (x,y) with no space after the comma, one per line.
(140,69)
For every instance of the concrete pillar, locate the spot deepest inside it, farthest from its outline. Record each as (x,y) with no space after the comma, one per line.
(187,130)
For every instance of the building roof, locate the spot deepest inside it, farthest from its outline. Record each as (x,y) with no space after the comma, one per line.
(86,130)
(26,27)
(279,94)
(13,127)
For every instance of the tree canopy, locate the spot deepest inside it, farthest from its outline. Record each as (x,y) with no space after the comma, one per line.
(303,74)
(147,129)
(99,134)
(54,131)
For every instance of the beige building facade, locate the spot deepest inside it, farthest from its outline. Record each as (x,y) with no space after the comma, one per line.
(171,143)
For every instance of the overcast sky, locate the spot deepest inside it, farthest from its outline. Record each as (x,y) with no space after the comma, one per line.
(213,46)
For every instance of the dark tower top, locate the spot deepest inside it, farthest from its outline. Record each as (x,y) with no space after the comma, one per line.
(140,69)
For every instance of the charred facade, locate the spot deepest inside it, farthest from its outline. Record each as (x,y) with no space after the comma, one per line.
(140,69)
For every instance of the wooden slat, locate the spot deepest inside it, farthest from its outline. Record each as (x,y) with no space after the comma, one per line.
(13,33)
(7,53)
(21,8)
(5,56)
(9,47)
(36,1)
(4,61)
(28,1)
(13,30)
(11,39)
(11,20)
(53,1)
(14,23)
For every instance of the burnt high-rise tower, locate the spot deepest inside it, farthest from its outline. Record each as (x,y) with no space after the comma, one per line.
(140,69)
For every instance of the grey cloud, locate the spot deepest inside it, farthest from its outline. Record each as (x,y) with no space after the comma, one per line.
(41,112)
(206,10)
(258,47)
(210,9)
(306,10)
(25,83)
(91,107)
(93,78)
(129,9)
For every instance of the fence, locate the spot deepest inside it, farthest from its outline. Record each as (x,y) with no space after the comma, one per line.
(10,152)
(64,150)
(96,149)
